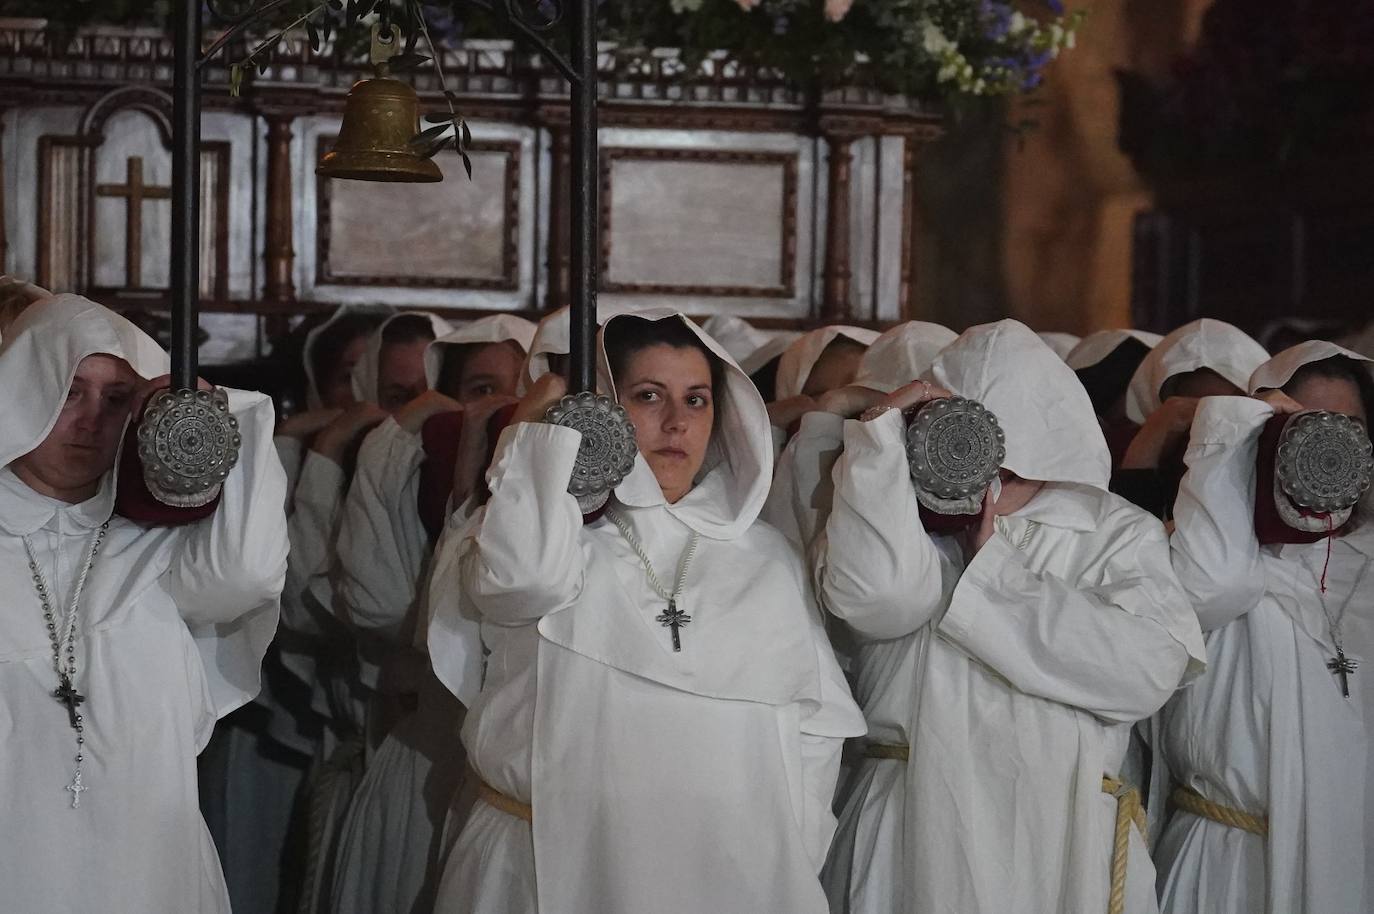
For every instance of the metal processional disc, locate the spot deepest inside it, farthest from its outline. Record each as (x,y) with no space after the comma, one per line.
(1324,461)
(607,452)
(955,448)
(188,442)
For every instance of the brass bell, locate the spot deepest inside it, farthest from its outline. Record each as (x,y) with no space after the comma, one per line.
(381,116)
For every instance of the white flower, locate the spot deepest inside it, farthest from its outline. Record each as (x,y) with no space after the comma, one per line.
(934,40)
(1017,24)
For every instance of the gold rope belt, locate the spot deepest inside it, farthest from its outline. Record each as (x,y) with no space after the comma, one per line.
(500,801)
(1128,812)
(1189,800)
(878,750)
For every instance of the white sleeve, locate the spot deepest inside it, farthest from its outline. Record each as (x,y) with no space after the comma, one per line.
(1116,649)
(290,450)
(313,529)
(799,501)
(876,566)
(1215,550)
(522,557)
(452,630)
(235,559)
(383,547)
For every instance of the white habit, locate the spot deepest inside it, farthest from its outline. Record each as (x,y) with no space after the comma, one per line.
(171,629)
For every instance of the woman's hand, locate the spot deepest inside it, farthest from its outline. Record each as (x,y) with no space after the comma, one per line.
(917,393)
(784,414)
(307,424)
(1280,402)
(850,401)
(1161,433)
(542,395)
(334,441)
(413,416)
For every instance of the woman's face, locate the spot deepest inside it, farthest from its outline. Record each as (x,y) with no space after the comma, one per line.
(667,392)
(489,370)
(82,446)
(336,388)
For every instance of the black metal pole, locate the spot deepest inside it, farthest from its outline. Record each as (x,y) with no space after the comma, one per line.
(185,265)
(585,201)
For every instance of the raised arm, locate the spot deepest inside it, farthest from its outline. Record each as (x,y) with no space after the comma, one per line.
(383,547)
(799,502)
(1116,647)
(522,557)
(235,560)
(1215,551)
(876,566)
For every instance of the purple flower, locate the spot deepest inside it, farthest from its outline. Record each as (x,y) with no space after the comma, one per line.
(1055,6)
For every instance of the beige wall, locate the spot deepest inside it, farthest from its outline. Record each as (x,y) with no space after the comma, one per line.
(1039,228)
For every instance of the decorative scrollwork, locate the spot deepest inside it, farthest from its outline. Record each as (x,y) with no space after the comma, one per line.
(188,442)
(955,448)
(1324,461)
(607,452)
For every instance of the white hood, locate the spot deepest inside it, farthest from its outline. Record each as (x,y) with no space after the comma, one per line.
(802,355)
(1052,432)
(1204,343)
(39,358)
(902,354)
(738,470)
(1061,343)
(1279,370)
(495,329)
(749,346)
(1095,347)
(312,383)
(553,337)
(365,373)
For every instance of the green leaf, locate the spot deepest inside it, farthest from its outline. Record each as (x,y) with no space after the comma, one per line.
(235,79)
(351,13)
(466,134)
(402,62)
(431,150)
(314,35)
(467,164)
(429,134)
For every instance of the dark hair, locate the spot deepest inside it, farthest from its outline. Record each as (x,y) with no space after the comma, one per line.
(628,335)
(408,328)
(766,379)
(1338,368)
(1106,381)
(329,346)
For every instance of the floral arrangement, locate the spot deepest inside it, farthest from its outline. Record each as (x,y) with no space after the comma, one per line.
(935,50)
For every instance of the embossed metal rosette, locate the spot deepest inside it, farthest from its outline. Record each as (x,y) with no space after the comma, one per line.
(188,442)
(607,453)
(1324,461)
(954,448)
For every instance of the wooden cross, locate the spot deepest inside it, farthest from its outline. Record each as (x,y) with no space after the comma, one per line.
(70,697)
(673,618)
(1343,666)
(135,191)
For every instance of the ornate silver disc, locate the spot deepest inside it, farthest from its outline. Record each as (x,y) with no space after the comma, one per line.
(607,453)
(1324,461)
(954,449)
(188,442)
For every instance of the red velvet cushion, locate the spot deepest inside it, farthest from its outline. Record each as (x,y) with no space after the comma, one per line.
(1269,525)
(935,522)
(1119,435)
(135,502)
(439,438)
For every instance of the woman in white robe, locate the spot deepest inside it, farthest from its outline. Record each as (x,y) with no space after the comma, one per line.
(390,853)
(1267,732)
(170,629)
(617,774)
(822,360)
(342,683)
(1000,669)
(799,500)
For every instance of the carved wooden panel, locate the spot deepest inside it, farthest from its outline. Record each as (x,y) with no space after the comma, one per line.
(60,212)
(704,222)
(457,234)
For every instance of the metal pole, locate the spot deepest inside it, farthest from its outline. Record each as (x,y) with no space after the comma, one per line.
(185,265)
(585,201)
